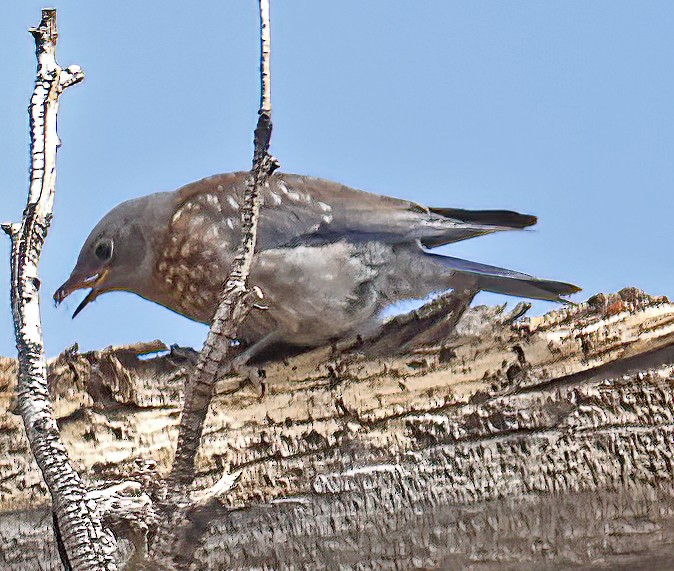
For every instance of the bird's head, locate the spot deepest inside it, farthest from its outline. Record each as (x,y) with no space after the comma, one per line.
(116,255)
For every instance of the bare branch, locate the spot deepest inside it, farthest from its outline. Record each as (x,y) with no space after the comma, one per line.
(86,543)
(236,302)
(237,299)
(265,59)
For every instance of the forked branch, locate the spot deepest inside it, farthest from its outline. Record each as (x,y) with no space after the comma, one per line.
(86,544)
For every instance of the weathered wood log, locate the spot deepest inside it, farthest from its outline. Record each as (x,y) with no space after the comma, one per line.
(541,443)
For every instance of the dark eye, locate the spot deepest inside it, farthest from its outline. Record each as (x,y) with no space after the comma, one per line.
(103,250)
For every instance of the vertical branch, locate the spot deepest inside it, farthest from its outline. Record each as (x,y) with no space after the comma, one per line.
(237,298)
(265,60)
(85,542)
(236,302)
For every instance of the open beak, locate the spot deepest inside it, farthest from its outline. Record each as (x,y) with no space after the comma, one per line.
(75,282)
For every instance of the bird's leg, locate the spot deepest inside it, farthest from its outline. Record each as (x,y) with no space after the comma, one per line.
(242,359)
(254,375)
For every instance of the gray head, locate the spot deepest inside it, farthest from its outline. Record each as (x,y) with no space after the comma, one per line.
(120,251)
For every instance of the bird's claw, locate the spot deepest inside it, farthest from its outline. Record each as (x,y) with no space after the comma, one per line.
(251,375)
(255,378)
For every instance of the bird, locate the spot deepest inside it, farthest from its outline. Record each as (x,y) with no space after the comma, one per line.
(328,258)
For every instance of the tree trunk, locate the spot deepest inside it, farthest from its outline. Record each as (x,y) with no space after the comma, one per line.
(543,443)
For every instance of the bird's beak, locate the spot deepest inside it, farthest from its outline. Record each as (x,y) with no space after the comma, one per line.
(77,281)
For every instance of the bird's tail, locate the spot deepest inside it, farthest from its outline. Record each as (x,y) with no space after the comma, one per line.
(502,218)
(500,280)
(475,222)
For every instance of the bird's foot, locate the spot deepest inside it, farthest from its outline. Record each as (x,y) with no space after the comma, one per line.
(257,379)
(251,375)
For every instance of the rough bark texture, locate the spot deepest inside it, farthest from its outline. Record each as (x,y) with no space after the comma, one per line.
(84,543)
(546,443)
(237,297)
(236,301)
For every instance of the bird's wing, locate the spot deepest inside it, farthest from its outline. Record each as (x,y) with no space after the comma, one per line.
(301,209)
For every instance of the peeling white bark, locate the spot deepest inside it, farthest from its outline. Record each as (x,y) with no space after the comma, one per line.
(87,544)
(265,59)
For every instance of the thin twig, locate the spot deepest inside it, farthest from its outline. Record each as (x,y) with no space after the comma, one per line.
(236,301)
(237,298)
(86,543)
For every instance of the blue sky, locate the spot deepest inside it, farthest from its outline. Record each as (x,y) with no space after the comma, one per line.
(559,109)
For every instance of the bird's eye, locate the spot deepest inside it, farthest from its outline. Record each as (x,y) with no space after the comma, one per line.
(103,250)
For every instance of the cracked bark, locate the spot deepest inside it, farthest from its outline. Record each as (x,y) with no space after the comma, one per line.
(540,443)
(84,543)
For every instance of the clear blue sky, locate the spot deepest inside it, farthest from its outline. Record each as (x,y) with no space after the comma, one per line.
(559,109)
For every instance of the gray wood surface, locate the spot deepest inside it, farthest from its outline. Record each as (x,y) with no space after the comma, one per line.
(541,444)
